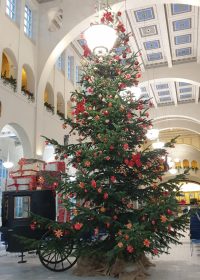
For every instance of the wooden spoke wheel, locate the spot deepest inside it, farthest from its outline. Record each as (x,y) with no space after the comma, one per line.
(55,253)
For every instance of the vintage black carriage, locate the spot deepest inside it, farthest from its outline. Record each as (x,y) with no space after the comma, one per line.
(16,209)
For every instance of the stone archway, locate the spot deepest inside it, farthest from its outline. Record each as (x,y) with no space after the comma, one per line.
(22,137)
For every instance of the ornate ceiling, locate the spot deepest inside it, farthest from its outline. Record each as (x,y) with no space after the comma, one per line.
(166,35)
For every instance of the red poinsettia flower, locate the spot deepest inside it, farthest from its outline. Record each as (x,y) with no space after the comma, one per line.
(136,159)
(155,251)
(163,218)
(80,107)
(130,249)
(146,243)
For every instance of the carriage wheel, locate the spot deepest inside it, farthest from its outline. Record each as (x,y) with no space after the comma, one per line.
(55,253)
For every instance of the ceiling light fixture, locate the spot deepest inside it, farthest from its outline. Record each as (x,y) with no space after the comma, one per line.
(173,171)
(100,38)
(8,164)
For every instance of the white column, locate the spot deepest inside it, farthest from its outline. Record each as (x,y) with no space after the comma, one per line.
(21,34)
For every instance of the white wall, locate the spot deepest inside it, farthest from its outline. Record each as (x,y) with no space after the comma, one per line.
(16,109)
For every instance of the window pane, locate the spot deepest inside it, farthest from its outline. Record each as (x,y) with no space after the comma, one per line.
(28,21)
(21,207)
(11,8)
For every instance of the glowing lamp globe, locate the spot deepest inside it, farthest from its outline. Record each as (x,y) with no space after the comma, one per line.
(100,38)
(172,171)
(136,91)
(8,164)
(152,134)
(158,145)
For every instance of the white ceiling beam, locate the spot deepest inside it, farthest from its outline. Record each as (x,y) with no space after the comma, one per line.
(174,93)
(164,33)
(133,40)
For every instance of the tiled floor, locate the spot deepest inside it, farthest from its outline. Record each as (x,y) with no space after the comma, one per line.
(179,265)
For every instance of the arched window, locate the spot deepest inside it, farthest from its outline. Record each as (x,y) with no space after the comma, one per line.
(49,98)
(178,165)
(60,105)
(28,82)
(9,69)
(194,165)
(186,163)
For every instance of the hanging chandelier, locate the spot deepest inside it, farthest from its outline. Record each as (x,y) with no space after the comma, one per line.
(100,38)
(8,164)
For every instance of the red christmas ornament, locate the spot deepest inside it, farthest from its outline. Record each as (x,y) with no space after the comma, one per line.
(78,226)
(33,226)
(128,76)
(99,190)
(121,86)
(129,115)
(119,14)
(81,185)
(106,113)
(105,196)
(112,147)
(113,179)
(125,146)
(138,75)
(169,212)
(93,184)
(55,184)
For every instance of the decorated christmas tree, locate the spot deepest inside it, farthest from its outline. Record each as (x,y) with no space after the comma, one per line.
(118,204)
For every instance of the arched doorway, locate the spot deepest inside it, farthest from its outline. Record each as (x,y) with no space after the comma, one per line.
(49,98)
(60,105)
(9,69)
(28,82)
